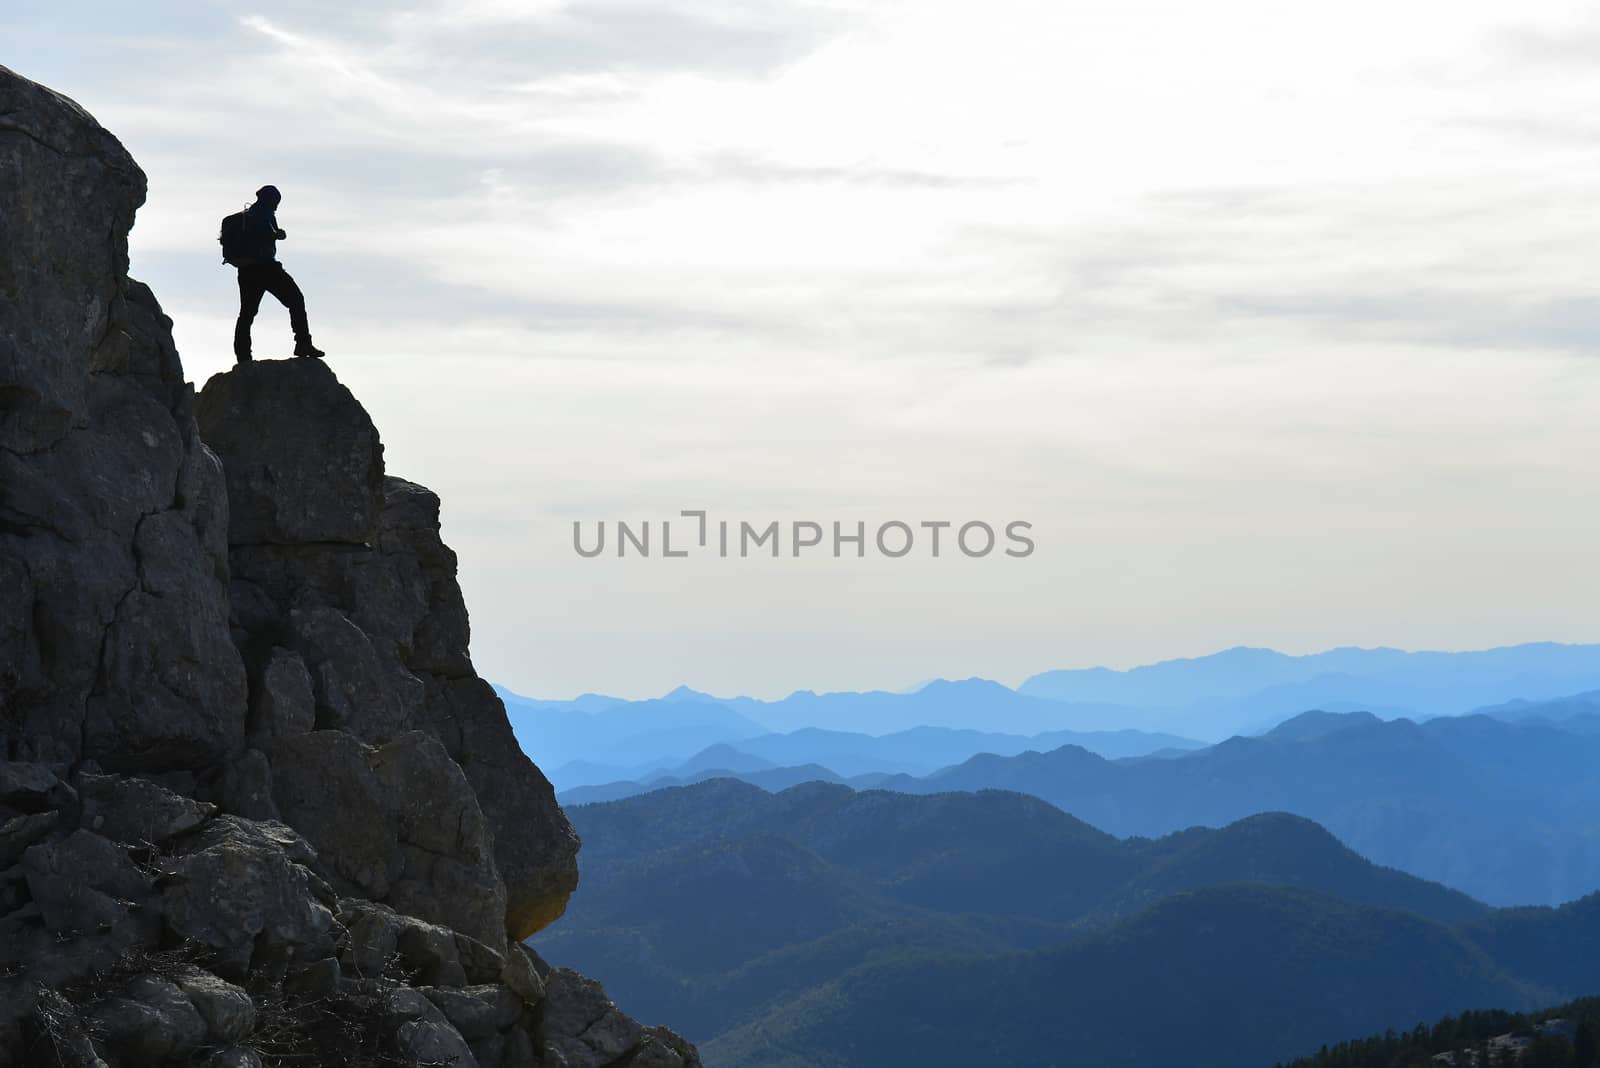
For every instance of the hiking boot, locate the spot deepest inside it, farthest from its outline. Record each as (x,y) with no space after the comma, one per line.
(306,348)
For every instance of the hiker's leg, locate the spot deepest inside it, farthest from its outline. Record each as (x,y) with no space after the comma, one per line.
(280,285)
(250,290)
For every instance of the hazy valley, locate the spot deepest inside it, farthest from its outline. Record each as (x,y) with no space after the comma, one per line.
(997,884)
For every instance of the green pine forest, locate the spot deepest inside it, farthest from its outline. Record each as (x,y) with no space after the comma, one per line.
(1468,1036)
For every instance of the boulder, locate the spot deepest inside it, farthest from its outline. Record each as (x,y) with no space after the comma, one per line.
(137,811)
(83,883)
(476,1011)
(581,1025)
(324,786)
(521,975)
(244,786)
(352,691)
(429,952)
(227,1010)
(20,832)
(287,486)
(422,1034)
(370,945)
(282,703)
(448,872)
(397,823)
(32,788)
(480,963)
(379,941)
(151,1022)
(236,891)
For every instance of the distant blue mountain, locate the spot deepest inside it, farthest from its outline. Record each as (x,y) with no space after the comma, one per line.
(1579,709)
(614,732)
(970,704)
(851,756)
(723,757)
(1316,724)
(924,749)
(1247,690)
(771,779)
(588,702)
(597,738)
(868,762)
(684,693)
(1509,813)
(1506,812)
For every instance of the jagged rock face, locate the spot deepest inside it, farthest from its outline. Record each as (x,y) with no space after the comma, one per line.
(340,580)
(113,516)
(256,808)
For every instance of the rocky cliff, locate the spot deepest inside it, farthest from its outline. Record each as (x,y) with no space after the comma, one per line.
(256,807)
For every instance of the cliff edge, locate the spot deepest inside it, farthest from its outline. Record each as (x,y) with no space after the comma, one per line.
(256,807)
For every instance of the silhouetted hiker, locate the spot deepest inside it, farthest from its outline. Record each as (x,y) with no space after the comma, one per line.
(250,242)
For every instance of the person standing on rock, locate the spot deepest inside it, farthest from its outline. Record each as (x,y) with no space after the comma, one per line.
(250,242)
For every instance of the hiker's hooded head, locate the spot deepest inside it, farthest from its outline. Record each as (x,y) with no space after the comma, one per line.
(269,195)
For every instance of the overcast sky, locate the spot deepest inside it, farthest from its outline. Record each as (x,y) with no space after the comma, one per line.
(1277,321)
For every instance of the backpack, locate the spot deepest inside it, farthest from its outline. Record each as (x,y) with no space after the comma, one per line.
(235,237)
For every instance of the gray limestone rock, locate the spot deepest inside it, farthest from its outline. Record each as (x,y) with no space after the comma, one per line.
(32,788)
(423,1035)
(70,193)
(152,1022)
(227,1010)
(282,701)
(286,486)
(135,811)
(477,1011)
(83,883)
(580,1023)
(20,832)
(238,892)
(114,594)
(217,612)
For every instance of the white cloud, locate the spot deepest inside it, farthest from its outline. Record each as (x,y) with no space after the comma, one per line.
(1276,319)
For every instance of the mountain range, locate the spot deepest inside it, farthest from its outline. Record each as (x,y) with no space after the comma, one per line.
(825,926)
(596,739)
(842,755)
(1505,811)
(934,726)
(1245,690)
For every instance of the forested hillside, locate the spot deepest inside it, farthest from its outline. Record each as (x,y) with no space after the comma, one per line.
(770,926)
